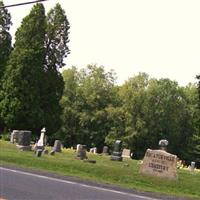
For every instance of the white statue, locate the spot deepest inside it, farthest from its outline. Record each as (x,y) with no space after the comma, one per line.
(41,141)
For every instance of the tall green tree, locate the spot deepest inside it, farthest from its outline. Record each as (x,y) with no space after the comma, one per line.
(5,44)
(69,131)
(96,93)
(133,95)
(198,88)
(87,95)
(168,116)
(20,106)
(5,37)
(56,49)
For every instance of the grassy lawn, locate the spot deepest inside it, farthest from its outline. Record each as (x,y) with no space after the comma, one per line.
(104,171)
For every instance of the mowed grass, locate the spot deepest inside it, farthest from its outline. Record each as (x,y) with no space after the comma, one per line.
(125,174)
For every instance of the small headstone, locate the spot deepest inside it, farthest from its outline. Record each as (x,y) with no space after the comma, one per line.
(126,153)
(81,153)
(117,154)
(91,150)
(105,150)
(14,136)
(159,163)
(45,151)
(57,146)
(39,153)
(23,140)
(95,150)
(52,153)
(192,166)
(77,147)
(163,144)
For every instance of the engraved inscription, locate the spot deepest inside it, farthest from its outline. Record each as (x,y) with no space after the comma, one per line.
(159,163)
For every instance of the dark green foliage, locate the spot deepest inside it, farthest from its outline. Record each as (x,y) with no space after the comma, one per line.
(56,49)
(32,84)
(140,112)
(152,110)
(5,37)
(198,77)
(87,95)
(23,78)
(5,45)
(56,38)
(70,104)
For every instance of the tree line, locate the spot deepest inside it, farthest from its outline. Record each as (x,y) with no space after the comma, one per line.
(86,106)
(140,112)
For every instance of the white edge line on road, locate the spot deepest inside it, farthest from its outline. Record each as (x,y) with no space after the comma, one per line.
(80,184)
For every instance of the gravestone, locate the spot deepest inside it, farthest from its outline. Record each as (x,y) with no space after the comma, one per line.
(24,140)
(192,166)
(117,154)
(93,150)
(163,144)
(39,152)
(52,153)
(126,153)
(77,147)
(57,146)
(105,150)
(14,136)
(42,141)
(45,151)
(159,163)
(81,153)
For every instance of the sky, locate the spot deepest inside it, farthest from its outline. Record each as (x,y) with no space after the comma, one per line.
(159,37)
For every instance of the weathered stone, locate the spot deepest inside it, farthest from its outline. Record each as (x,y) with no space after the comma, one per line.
(93,150)
(23,140)
(117,154)
(192,166)
(57,146)
(39,153)
(81,153)
(163,144)
(105,150)
(14,136)
(45,151)
(126,153)
(52,153)
(77,147)
(159,163)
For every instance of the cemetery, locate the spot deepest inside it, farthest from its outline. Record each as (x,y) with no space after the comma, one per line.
(142,134)
(158,172)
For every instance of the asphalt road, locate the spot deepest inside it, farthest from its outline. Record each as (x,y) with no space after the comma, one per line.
(20,185)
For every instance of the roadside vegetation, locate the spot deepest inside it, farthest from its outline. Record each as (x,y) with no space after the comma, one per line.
(125,174)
